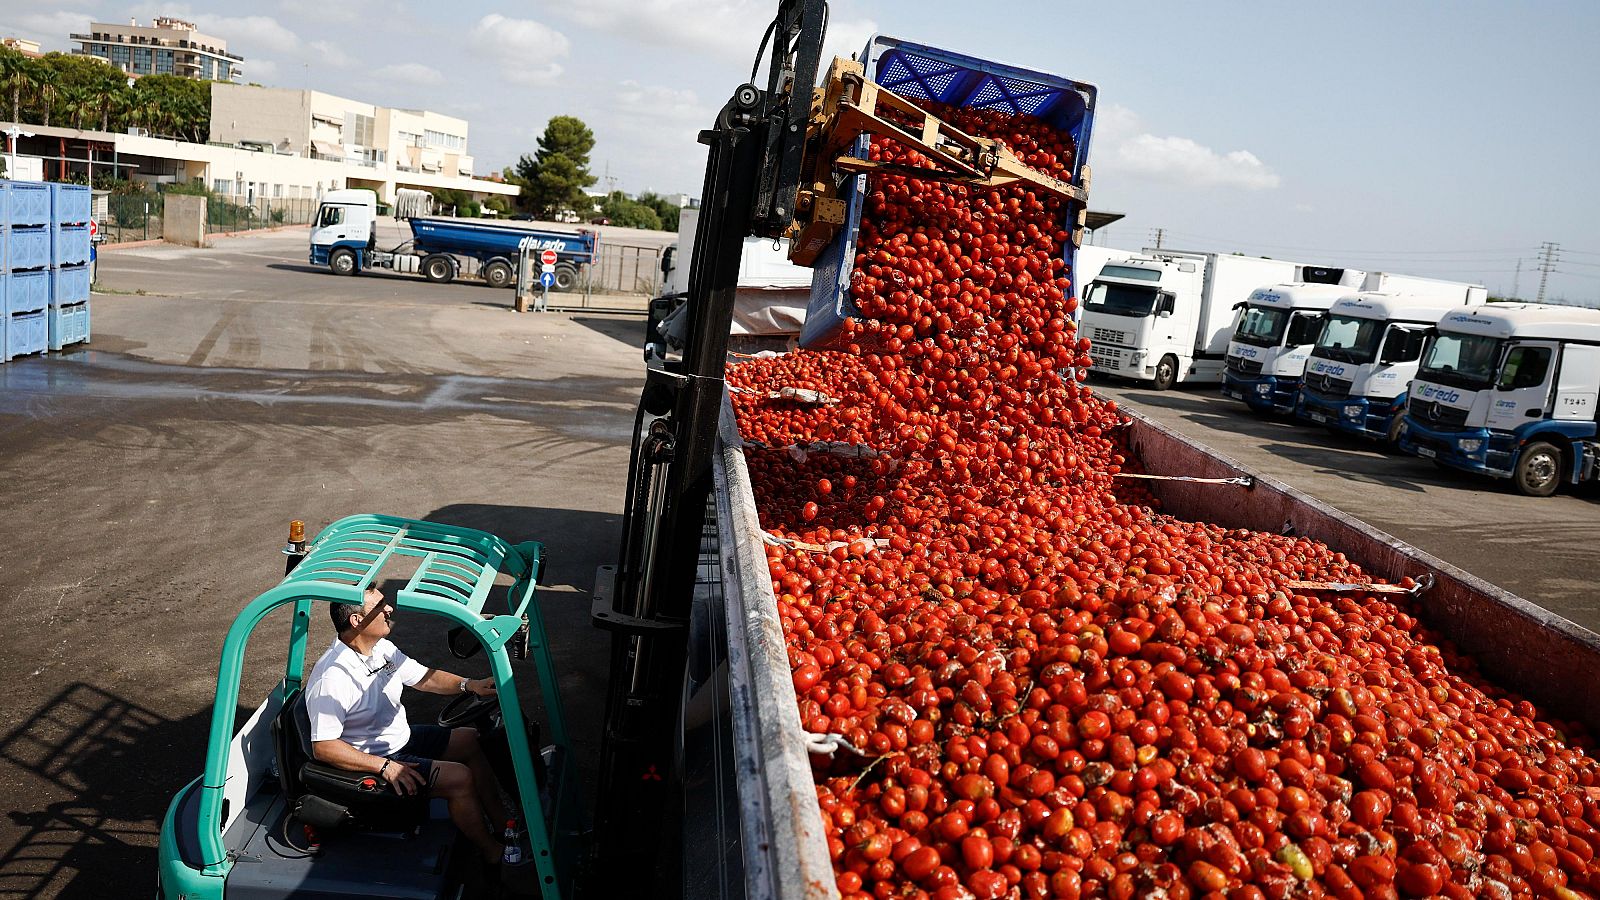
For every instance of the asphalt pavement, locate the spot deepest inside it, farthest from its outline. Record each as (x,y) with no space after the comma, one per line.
(148,481)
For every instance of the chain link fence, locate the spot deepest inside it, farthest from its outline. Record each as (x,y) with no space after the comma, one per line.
(137,216)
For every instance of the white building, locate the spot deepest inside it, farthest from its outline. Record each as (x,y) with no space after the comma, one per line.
(166,47)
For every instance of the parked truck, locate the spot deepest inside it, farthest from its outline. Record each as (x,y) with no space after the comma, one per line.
(1366,354)
(344,238)
(1271,342)
(1511,390)
(1166,316)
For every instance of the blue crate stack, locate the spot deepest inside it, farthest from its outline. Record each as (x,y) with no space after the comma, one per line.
(68,318)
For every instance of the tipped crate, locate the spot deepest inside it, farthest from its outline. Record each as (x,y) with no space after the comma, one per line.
(27,247)
(69,245)
(69,284)
(26,333)
(25,292)
(29,204)
(919,72)
(69,204)
(68,324)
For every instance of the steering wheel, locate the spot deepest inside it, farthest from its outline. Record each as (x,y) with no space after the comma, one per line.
(470,709)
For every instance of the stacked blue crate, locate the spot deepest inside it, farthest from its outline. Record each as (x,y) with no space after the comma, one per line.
(26,249)
(68,317)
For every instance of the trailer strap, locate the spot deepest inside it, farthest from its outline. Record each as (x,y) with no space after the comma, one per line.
(778,540)
(1423,584)
(1242,480)
(829,744)
(802,396)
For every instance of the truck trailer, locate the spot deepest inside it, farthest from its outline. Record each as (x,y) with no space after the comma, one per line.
(1166,316)
(1366,354)
(344,238)
(1511,390)
(1271,342)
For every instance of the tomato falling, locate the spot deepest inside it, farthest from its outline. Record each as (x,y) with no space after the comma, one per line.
(1066,692)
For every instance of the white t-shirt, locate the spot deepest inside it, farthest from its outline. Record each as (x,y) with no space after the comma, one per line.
(356,698)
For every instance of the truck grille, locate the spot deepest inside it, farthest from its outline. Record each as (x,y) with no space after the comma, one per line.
(1336,388)
(1244,366)
(1105,357)
(1108,336)
(1437,413)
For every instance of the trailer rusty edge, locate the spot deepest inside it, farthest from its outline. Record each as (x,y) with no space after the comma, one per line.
(785,845)
(1550,660)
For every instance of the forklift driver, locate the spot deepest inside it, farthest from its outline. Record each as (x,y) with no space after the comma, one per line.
(359,724)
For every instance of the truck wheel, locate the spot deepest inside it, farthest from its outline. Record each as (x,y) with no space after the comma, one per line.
(342,262)
(498,274)
(566,277)
(1392,439)
(439,268)
(1166,373)
(1538,471)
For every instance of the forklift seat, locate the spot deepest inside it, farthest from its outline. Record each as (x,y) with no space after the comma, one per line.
(329,797)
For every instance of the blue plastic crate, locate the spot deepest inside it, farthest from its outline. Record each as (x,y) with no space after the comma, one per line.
(69,245)
(920,72)
(69,284)
(29,204)
(25,292)
(69,204)
(68,325)
(27,248)
(27,333)
(5,211)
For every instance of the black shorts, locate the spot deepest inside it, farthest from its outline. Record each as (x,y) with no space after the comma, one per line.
(427,743)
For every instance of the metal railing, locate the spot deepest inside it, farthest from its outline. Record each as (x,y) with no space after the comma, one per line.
(626,269)
(137,217)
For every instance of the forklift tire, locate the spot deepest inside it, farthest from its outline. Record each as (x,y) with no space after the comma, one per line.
(439,269)
(342,262)
(566,277)
(1538,470)
(498,274)
(1166,373)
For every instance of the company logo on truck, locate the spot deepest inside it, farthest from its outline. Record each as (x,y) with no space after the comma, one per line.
(1246,352)
(1326,368)
(531,243)
(1439,394)
(1261,296)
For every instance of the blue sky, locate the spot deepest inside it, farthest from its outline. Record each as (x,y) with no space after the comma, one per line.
(1435,139)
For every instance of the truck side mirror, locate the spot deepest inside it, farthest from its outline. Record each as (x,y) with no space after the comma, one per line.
(1164,306)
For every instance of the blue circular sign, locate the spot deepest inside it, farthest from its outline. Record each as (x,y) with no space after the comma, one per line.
(547,279)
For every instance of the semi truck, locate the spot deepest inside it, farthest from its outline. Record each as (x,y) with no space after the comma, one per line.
(1271,342)
(1366,354)
(1166,316)
(1511,391)
(706,783)
(344,238)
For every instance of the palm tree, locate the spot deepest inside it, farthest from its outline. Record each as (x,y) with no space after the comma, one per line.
(78,101)
(46,82)
(115,98)
(16,75)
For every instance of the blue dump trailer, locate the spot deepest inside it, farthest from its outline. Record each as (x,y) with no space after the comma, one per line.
(344,239)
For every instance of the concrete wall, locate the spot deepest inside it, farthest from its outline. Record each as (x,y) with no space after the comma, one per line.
(1550,660)
(275,116)
(183,220)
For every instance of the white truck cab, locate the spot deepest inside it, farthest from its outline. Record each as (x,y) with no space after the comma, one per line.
(1511,390)
(1271,341)
(1366,354)
(345,230)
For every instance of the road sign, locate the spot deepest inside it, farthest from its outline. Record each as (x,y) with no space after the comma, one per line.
(94,229)
(547,267)
(547,278)
(548,257)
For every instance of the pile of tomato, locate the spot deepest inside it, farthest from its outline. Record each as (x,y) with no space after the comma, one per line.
(1052,689)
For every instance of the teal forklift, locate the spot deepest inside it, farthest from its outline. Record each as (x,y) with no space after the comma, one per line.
(267,820)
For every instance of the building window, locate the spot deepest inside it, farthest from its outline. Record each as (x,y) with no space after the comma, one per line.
(164,62)
(442,141)
(277,191)
(222,186)
(358,130)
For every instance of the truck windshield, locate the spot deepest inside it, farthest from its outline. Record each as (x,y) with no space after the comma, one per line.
(1261,326)
(1461,360)
(1304,328)
(1120,299)
(1349,339)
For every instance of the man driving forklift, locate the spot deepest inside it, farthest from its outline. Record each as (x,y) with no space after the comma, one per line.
(359,724)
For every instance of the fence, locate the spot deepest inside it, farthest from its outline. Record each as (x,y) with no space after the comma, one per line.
(137,217)
(626,269)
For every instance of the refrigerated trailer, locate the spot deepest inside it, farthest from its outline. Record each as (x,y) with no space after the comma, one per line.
(1166,316)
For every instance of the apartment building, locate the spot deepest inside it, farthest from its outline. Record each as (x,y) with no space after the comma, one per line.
(168,46)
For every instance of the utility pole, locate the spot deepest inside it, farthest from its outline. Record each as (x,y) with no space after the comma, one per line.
(1547,262)
(1160,234)
(1516,282)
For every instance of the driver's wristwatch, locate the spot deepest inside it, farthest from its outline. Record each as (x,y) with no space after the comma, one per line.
(463,686)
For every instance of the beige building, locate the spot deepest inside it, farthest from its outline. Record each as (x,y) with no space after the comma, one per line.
(166,47)
(26,48)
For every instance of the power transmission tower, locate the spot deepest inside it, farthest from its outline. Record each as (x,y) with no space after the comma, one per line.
(1547,262)
(1516,282)
(1160,234)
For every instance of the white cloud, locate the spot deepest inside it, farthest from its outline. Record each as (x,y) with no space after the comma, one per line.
(261,71)
(526,50)
(729,28)
(50,28)
(846,38)
(410,73)
(331,54)
(1125,147)
(322,11)
(243,33)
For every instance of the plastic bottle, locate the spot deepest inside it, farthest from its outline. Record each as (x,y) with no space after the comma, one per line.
(513,851)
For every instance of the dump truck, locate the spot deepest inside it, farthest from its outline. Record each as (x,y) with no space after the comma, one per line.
(344,238)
